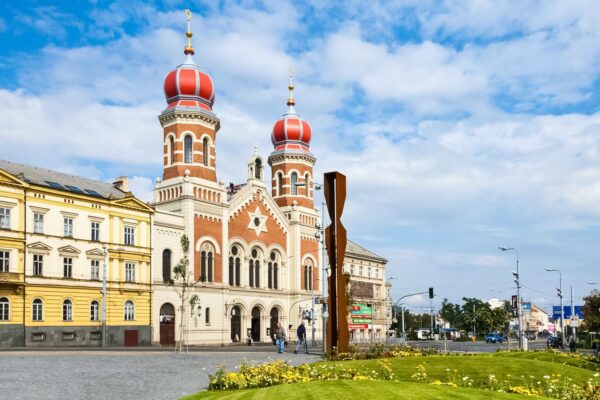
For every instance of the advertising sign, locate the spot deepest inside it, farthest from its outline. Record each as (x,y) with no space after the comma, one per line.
(358,326)
(526,308)
(567,311)
(362,314)
(551,328)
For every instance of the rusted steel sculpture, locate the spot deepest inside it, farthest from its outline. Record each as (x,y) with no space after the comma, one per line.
(335,239)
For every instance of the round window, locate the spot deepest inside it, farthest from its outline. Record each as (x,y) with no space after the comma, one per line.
(234,251)
(256,221)
(273,256)
(254,253)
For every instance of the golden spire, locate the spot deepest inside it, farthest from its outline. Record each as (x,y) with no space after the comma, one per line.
(188,49)
(291,101)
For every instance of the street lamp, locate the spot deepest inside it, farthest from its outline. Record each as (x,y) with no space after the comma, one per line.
(562,310)
(518,282)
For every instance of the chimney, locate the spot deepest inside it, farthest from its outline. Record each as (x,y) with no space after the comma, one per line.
(122,183)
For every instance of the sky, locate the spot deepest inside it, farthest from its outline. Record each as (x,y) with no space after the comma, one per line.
(461,125)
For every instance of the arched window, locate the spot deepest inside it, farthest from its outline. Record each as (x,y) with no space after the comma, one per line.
(306,183)
(294,181)
(206,263)
(187,149)
(207,316)
(94,311)
(279,184)
(205,152)
(37,310)
(254,269)
(273,270)
(171,150)
(129,314)
(308,275)
(234,266)
(4,309)
(67,310)
(166,265)
(257,168)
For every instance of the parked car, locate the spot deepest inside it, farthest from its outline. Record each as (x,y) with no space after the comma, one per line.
(554,342)
(494,338)
(531,336)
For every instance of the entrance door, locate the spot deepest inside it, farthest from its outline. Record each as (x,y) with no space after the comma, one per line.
(167,325)
(256,324)
(236,324)
(274,321)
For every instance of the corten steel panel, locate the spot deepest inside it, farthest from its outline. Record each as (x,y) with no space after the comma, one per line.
(335,238)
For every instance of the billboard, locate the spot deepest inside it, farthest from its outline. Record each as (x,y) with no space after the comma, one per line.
(567,311)
(361,314)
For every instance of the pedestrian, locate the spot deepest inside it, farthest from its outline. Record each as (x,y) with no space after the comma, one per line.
(301,332)
(280,338)
(595,349)
(573,345)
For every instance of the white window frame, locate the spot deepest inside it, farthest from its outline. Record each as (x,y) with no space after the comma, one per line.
(129,235)
(38,222)
(68,267)
(95,231)
(4,218)
(130,268)
(4,309)
(68,224)
(129,311)
(68,307)
(95,270)
(94,311)
(37,310)
(4,261)
(38,264)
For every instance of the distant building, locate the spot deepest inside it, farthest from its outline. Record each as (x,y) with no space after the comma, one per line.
(54,228)
(369,318)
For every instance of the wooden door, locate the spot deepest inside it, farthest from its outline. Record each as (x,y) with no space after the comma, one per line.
(131,337)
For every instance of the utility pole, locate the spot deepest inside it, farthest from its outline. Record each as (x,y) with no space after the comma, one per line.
(519,305)
(562,308)
(573,329)
(474,323)
(104,298)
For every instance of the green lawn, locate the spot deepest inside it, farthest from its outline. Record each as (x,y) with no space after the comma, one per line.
(354,390)
(516,368)
(519,369)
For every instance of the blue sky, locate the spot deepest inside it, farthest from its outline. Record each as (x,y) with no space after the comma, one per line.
(461,125)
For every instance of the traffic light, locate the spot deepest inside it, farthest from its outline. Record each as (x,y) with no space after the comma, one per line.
(431,293)
(559,292)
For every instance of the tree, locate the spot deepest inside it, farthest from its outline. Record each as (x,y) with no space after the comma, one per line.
(452,313)
(183,283)
(591,310)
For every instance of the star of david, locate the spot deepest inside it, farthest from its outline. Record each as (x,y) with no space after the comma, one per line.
(258,222)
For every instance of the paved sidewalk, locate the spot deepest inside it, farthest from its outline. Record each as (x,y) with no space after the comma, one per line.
(120,374)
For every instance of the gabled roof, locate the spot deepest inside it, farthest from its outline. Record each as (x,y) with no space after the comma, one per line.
(61,181)
(359,251)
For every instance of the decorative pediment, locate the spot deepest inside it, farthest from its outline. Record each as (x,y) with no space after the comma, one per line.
(133,202)
(39,247)
(5,177)
(95,253)
(69,249)
(248,199)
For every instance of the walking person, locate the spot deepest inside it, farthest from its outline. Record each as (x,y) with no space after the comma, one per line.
(301,332)
(280,338)
(595,349)
(573,345)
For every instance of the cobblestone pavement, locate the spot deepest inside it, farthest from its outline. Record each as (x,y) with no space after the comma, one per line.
(115,375)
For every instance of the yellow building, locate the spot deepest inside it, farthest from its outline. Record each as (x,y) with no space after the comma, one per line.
(60,233)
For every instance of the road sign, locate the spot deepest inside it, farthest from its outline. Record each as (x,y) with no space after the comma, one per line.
(526,308)
(575,321)
(358,326)
(567,312)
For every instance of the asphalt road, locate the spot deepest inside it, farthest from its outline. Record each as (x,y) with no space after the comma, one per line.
(115,375)
(477,347)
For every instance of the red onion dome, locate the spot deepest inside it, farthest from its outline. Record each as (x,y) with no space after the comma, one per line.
(291,132)
(186,86)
